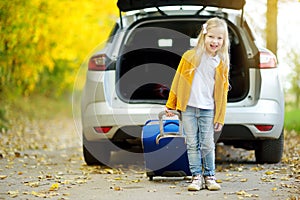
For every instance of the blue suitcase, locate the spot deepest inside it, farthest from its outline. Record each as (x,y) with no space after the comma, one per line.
(165,148)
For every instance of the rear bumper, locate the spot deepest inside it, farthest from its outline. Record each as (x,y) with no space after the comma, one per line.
(239,123)
(101,114)
(265,112)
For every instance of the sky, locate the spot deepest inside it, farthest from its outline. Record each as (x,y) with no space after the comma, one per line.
(288,30)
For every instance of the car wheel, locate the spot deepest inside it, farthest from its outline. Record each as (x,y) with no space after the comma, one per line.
(96,153)
(270,151)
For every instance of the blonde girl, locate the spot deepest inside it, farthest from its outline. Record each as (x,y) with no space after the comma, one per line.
(199,90)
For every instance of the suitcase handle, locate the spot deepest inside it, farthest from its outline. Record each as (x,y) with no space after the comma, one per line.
(163,113)
(161,126)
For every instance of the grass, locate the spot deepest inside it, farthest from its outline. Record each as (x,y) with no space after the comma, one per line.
(292,119)
(39,107)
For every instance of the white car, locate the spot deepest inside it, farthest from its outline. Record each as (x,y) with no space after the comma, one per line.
(128,82)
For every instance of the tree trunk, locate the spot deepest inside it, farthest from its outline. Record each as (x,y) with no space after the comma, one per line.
(271,27)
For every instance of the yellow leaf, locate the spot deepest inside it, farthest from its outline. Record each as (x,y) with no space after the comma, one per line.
(54,187)
(109,171)
(80,181)
(13,194)
(244,180)
(241,192)
(38,194)
(248,195)
(274,189)
(257,168)
(33,184)
(284,178)
(269,172)
(3,177)
(34,193)
(136,181)
(117,188)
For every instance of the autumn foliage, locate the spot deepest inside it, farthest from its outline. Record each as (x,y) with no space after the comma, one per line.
(43,43)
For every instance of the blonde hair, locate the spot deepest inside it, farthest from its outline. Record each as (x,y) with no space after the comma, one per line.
(200,47)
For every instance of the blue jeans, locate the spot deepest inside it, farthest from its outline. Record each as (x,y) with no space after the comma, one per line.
(199,130)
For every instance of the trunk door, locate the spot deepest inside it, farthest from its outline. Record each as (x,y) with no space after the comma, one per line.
(129,5)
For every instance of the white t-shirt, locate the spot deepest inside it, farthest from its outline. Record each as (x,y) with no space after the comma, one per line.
(202,91)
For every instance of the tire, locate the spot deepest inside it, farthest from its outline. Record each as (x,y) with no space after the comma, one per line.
(96,153)
(270,151)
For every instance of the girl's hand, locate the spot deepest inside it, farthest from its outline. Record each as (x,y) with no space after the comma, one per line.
(218,127)
(169,114)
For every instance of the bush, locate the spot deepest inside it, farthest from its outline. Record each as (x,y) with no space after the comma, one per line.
(292,119)
(3,120)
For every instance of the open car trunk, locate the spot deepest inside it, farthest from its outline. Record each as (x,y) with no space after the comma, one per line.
(152,52)
(128,5)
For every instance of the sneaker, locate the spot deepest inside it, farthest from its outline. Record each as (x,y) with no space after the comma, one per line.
(211,184)
(196,184)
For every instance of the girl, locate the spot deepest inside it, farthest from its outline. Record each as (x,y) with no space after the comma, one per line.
(199,90)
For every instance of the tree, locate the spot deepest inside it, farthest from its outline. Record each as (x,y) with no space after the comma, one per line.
(271,27)
(43,43)
(295,75)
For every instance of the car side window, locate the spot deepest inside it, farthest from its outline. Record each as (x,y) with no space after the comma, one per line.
(113,32)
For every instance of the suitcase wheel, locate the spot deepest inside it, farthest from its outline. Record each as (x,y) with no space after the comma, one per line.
(150,175)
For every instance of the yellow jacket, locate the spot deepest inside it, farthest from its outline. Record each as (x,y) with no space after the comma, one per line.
(182,83)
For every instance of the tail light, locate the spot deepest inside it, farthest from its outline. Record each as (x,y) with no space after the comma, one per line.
(264,127)
(102,129)
(267,60)
(97,63)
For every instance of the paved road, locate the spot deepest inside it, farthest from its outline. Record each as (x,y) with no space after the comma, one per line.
(53,167)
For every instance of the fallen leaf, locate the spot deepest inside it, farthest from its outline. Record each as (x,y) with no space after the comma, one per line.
(117,188)
(54,187)
(241,192)
(13,194)
(269,172)
(38,194)
(32,184)
(80,181)
(257,168)
(239,169)
(284,178)
(3,177)
(17,154)
(136,181)
(274,189)
(109,171)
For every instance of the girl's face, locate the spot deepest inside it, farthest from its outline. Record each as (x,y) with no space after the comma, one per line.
(214,40)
